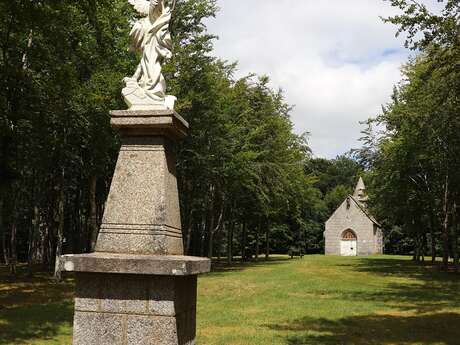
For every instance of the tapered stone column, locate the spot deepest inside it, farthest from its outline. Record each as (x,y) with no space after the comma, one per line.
(138,288)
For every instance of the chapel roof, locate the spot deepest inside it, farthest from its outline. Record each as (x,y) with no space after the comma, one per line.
(363,208)
(360,198)
(360,191)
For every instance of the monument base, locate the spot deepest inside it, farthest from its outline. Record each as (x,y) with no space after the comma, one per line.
(134,299)
(137,288)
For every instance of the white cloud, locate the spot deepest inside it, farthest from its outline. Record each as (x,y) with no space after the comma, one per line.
(335,59)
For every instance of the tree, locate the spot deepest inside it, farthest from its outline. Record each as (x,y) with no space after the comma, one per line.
(414,163)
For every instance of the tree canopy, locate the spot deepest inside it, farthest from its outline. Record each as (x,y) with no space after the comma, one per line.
(248,183)
(414,168)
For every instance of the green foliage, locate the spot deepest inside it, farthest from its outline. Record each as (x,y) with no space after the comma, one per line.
(423,28)
(330,173)
(332,180)
(415,161)
(336,196)
(241,171)
(247,183)
(60,63)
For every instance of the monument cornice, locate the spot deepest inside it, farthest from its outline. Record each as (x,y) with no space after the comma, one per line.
(149,122)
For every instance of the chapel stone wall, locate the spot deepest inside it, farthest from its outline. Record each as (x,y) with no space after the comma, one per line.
(350,216)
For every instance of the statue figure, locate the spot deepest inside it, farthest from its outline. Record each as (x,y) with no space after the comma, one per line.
(146,89)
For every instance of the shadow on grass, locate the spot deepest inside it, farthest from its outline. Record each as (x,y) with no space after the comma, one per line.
(426,289)
(33,307)
(24,290)
(426,298)
(379,329)
(222,266)
(394,266)
(422,304)
(22,324)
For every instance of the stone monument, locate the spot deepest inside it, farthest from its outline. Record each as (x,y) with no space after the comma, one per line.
(138,288)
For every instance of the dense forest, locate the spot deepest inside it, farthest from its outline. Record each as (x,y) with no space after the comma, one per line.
(249,185)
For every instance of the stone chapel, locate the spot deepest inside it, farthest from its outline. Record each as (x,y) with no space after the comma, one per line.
(351,230)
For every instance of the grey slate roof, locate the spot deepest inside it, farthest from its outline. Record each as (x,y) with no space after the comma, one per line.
(365,211)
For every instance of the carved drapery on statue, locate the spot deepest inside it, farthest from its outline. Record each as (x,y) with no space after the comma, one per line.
(146,89)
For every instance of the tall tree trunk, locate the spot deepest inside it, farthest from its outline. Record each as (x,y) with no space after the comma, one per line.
(204,225)
(433,241)
(215,226)
(196,235)
(267,241)
(211,230)
(13,247)
(455,250)
(188,232)
(445,226)
(243,241)
(218,242)
(49,241)
(210,244)
(25,55)
(3,232)
(203,236)
(417,249)
(93,227)
(454,239)
(34,227)
(6,254)
(188,215)
(77,239)
(230,230)
(41,247)
(33,241)
(423,246)
(60,229)
(258,239)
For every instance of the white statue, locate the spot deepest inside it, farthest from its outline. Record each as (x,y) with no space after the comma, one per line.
(146,89)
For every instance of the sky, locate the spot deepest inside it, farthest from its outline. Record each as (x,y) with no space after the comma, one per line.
(335,60)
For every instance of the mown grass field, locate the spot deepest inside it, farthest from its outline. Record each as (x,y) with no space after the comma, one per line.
(315,300)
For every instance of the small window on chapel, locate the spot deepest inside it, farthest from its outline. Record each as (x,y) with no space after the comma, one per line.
(348,203)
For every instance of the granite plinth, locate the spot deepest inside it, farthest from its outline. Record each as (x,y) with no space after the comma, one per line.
(138,288)
(142,214)
(149,122)
(134,299)
(165,265)
(114,309)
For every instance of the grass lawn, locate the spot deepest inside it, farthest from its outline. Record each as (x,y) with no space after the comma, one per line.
(315,300)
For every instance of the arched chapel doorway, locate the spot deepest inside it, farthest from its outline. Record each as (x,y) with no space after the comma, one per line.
(349,243)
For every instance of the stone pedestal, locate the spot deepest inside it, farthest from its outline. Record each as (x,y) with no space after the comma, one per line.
(138,288)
